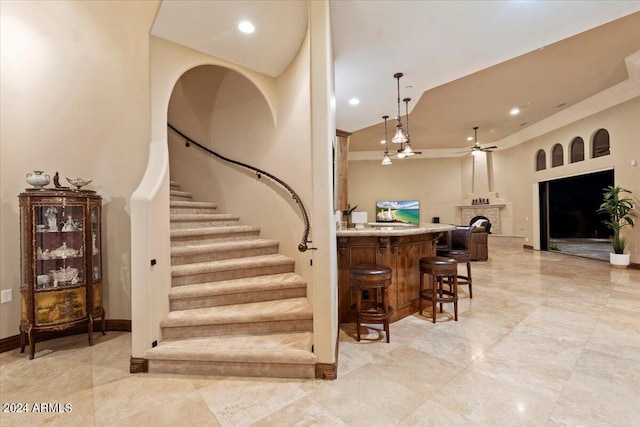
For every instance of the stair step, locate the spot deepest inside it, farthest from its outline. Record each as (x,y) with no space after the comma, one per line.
(180,195)
(202,220)
(259,318)
(238,291)
(222,250)
(236,305)
(277,355)
(191,207)
(206,235)
(227,269)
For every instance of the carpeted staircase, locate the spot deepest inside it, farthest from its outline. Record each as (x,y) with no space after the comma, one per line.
(236,306)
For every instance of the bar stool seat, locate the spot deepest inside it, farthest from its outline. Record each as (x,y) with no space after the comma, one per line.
(439,268)
(459,248)
(374,279)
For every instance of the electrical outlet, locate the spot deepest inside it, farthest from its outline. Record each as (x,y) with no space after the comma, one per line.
(6,296)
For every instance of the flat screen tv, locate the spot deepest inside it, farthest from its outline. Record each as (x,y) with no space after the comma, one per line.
(399,211)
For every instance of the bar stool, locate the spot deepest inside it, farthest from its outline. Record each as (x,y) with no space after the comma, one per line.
(373,278)
(439,268)
(459,248)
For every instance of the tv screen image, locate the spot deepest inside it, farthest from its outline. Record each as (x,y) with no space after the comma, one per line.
(403,211)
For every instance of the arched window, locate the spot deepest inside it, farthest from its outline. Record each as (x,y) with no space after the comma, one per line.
(576,150)
(600,144)
(557,156)
(541,160)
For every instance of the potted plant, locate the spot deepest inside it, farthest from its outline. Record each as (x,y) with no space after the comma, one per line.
(347,214)
(620,212)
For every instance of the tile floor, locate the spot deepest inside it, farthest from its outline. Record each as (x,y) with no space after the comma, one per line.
(548,340)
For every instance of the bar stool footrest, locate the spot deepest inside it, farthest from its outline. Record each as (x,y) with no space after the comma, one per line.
(373,311)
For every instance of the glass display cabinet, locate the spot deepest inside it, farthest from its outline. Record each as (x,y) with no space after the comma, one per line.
(61,283)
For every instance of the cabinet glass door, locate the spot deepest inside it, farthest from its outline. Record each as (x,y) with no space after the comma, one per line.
(96,266)
(59,246)
(59,263)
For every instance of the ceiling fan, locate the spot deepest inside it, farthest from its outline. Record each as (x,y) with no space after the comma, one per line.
(477,148)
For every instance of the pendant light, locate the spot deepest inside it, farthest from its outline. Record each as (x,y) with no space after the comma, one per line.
(399,137)
(407,151)
(386,160)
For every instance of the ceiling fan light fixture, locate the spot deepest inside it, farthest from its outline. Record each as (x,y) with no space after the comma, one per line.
(386,160)
(408,151)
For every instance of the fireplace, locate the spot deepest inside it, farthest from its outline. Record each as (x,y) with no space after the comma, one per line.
(487,224)
(490,210)
(492,213)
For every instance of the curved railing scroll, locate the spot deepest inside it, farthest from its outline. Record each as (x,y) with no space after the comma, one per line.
(304,243)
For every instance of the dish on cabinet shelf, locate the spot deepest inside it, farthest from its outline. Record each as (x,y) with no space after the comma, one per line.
(69,274)
(65,252)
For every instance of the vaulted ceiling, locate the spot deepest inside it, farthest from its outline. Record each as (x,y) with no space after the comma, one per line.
(466,63)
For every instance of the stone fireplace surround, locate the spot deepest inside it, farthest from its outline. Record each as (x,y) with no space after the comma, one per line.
(490,210)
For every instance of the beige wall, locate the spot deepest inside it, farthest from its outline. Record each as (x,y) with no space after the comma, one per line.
(514,175)
(323,130)
(150,202)
(441,183)
(225,111)
(75,99)
(436,183)
(259,120)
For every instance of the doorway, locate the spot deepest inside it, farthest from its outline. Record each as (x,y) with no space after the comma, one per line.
(569,222)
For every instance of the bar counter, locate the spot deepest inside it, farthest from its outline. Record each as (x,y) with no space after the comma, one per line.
(397,247)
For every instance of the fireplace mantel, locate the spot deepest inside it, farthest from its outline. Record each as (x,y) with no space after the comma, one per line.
(488,205)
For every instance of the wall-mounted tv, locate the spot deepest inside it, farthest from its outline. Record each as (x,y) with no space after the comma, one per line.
(400,211)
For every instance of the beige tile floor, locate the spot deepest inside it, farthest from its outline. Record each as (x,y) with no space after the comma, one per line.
(548,340)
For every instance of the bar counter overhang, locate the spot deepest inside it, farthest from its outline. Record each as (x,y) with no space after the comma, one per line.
(397,247)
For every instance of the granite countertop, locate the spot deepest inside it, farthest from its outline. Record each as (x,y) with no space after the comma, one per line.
(395,231)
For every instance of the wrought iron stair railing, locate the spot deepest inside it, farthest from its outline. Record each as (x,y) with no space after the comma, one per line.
(304,243)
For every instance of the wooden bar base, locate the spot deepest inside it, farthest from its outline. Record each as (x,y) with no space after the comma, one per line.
(401,250)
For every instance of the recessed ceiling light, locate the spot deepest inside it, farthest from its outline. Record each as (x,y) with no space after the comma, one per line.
(354,101)
(383,141)
(469,138)
(246,27)
(514,111)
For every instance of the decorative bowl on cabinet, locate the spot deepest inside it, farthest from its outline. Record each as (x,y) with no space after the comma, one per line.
(78,182)
(38,179)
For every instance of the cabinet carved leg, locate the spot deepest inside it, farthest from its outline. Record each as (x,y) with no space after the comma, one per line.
(22,343)
(32,343)
(90,330)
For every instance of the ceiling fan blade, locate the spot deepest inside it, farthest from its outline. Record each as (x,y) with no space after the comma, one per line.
(493,147)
